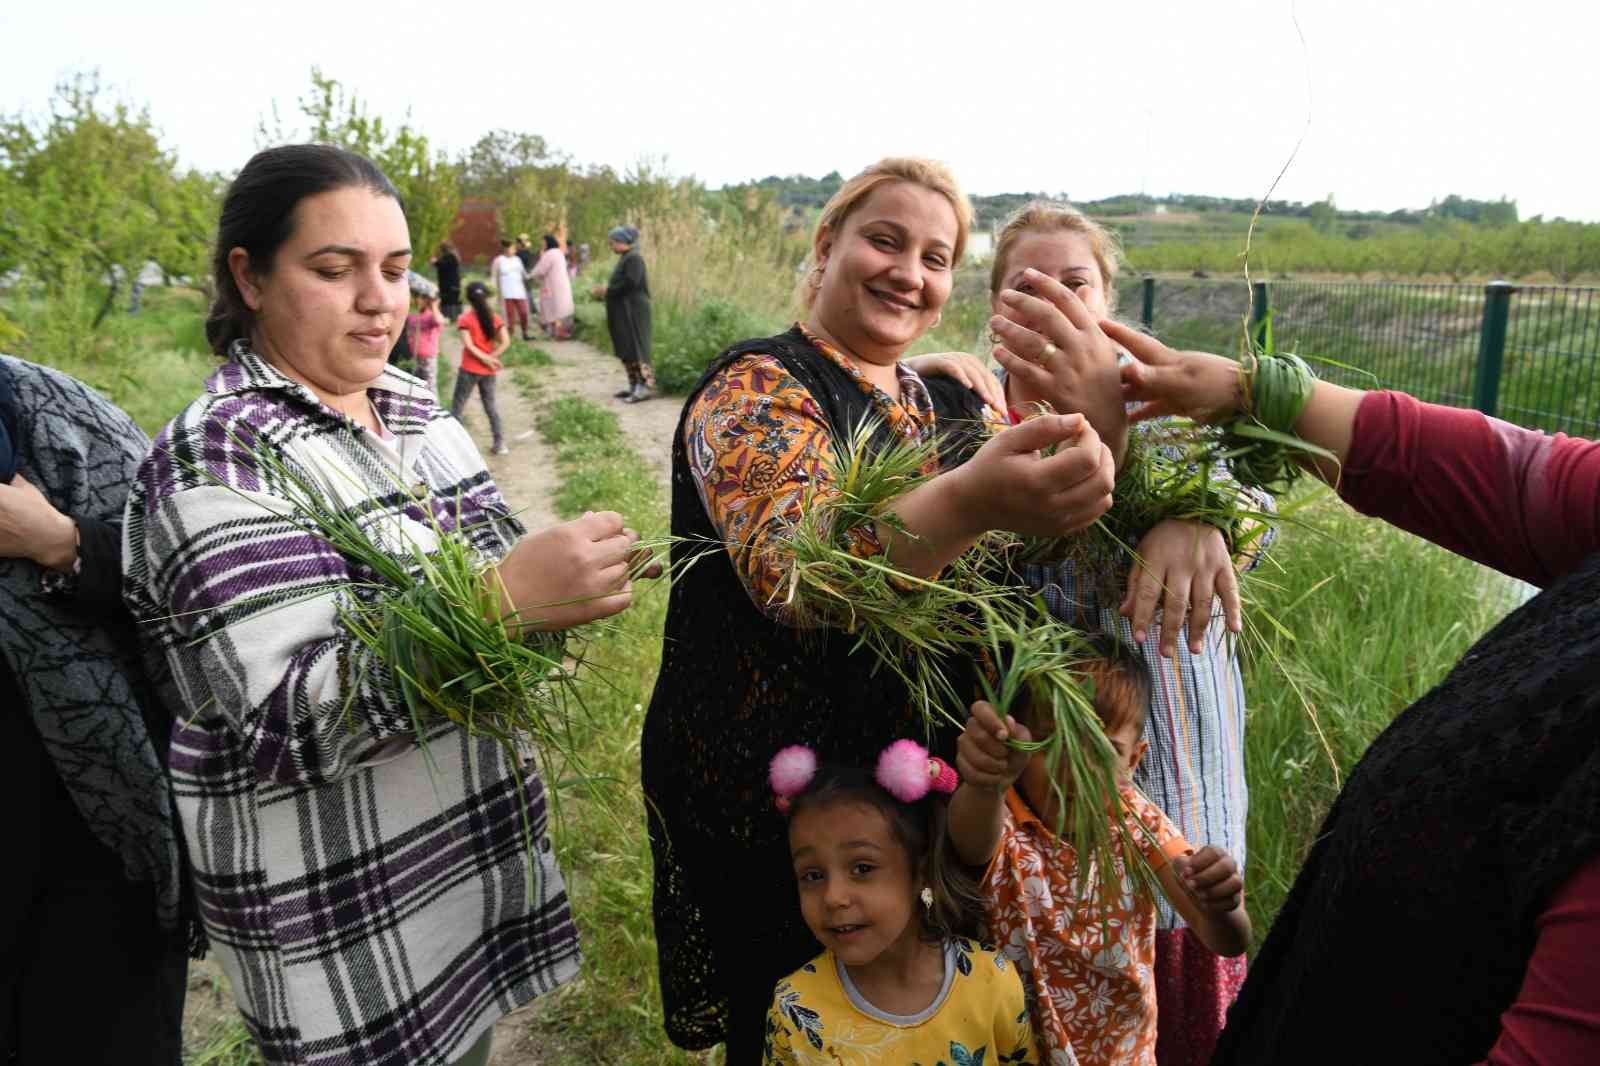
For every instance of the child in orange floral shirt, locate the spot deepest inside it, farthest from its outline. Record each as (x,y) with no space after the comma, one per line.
(1088,970)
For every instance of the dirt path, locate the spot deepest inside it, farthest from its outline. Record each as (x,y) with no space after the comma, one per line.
(527,476)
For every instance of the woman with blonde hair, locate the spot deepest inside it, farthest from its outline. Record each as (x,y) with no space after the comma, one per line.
(743,675)
(1195,720)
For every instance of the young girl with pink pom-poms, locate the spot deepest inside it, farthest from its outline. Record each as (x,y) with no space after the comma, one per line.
(897,980)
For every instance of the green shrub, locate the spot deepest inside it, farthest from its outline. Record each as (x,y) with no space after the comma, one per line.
(686,341)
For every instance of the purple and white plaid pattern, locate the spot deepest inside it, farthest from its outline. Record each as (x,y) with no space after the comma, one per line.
(369,898)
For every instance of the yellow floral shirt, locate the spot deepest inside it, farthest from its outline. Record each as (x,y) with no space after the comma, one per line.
(980,1018)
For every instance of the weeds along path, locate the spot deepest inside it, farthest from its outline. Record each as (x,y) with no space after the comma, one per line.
(527,476)
(575,447)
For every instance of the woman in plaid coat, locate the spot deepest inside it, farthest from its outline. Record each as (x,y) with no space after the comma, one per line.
(368,890)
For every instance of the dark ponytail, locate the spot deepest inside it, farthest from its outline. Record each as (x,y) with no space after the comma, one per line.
(478,297)
(258,216)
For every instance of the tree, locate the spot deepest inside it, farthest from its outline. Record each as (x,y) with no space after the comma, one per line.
(428,183)
(86,195)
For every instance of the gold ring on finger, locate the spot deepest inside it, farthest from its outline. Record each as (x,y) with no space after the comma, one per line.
(1050,349)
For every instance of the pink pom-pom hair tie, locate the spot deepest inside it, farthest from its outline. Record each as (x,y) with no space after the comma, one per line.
(907,772)
(790,773)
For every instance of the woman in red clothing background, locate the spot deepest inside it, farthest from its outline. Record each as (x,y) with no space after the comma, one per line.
(1449,910)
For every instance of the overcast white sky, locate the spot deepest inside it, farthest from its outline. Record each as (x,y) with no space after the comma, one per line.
(1409,99)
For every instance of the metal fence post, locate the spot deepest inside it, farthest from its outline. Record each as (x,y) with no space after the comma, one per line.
(1260,321)
(1492,345)
(1149,315)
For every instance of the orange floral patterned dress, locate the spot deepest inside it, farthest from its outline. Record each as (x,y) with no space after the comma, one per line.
(1089,979)
(758,447)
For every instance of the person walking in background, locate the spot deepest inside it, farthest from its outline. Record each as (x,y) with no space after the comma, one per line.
(94,885)
(572,260)
(525,253)
(509,277)
(447,268)
(484,339)
(423,327)
(627,297)
(555,290)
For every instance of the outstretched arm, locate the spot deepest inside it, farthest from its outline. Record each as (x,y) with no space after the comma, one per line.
(1524,502)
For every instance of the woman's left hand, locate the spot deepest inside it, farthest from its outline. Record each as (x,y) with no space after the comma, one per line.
(31,528)
(962,367)
(1190,562)
(1053,350)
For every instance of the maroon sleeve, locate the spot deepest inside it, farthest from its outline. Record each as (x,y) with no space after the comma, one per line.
(1555,1020)
(1524,502)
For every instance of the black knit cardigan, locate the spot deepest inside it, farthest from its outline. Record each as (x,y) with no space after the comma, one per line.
(735,687)
(1412,922)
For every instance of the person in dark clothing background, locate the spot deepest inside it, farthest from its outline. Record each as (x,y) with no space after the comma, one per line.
(627,297)
(94,901)
(447,268)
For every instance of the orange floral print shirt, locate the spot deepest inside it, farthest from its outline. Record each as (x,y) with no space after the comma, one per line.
(1089,974)
(758,447)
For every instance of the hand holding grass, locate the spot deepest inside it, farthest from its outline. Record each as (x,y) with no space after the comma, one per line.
(984,759)
(988,765)
(1189,563)
(569,574)
(1049,476)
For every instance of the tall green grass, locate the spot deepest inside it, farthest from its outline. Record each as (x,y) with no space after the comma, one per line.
(150,364)
(613,1012)
(1377,618)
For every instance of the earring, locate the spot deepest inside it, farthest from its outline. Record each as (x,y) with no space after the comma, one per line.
(816,277)
(938,318)
(927,899)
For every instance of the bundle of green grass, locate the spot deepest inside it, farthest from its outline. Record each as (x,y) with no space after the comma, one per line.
(978,609)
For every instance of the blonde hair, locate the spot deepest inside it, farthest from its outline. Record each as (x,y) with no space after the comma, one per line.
(1047,216)
(928,173)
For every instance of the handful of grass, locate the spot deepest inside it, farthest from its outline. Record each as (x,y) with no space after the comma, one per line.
(1041,666)
(1166,474)
(433,618)
(911,625)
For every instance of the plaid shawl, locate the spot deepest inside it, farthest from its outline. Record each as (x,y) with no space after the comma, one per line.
(369,897)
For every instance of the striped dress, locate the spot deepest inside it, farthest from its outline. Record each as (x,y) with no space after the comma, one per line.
(370,898)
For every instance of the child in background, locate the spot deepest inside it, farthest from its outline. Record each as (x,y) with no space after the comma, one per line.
(896,981)
(484,340)
(423,328)
(1093,999)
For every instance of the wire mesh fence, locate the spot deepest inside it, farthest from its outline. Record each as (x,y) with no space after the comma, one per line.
(1540,368)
